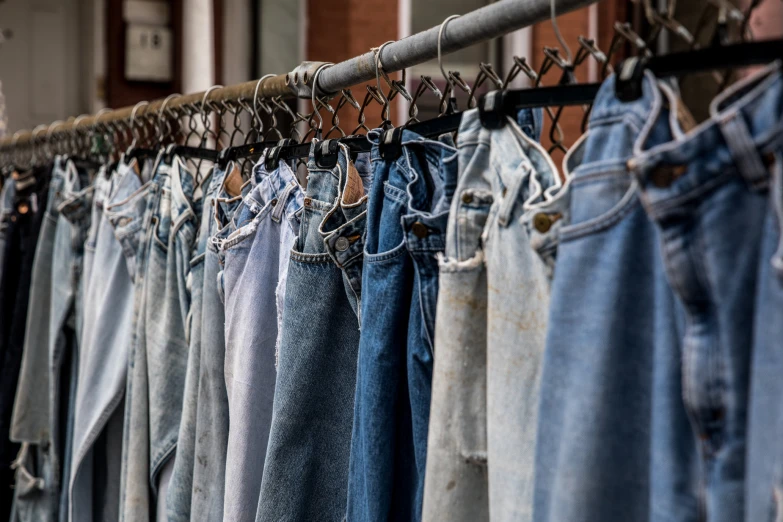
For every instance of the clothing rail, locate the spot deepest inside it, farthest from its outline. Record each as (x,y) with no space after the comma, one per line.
(491,21)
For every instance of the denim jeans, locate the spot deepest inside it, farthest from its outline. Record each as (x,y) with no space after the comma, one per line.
(256,255)
(103,361)
(406,227)
(26,280)
(156,384)
(306,468)
(708,193)
(347,219)
(456,479)
(613,438)
(197,484)
(764,469)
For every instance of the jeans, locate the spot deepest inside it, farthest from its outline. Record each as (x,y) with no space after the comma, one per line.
(764,468)
(197,484)
(456,479)
(708,193)
(406,227)
(103,361)
(156,384)
(613,438)
(306,467)
(25,274)
(256,255)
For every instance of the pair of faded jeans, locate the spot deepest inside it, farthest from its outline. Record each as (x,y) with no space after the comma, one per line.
(106,338)
(255,260)
(406,225)
(715,195)
(614,441)
(490,330)
(197,486)
(158,359)
(306,468)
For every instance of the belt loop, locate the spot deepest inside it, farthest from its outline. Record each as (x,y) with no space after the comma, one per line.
(510,195)
(743,150)
(277,212)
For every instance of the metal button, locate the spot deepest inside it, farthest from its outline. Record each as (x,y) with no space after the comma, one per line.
(665,175)
(342,244)
(467,198)
(274,202)
(23,208)
(769,160)
(542,222)
(420,230)
(308,201)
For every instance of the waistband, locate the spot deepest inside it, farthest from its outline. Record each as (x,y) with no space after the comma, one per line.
(738,140)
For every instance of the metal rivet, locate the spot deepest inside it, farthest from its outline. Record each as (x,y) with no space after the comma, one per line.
(542,222)
(769,160)
(23,208)
(467,197)
(420,230)
(665,175)
(274,202)
(308,201)
(342,244)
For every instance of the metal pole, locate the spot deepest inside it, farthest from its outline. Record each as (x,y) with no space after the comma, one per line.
(491,21)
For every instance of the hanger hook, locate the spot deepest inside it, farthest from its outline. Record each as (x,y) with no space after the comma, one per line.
(560,39)
(312,96)
(255,95)
(133,121)
(161,114)
(440,38)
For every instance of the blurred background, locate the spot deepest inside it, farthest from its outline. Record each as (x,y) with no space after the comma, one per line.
(60,58)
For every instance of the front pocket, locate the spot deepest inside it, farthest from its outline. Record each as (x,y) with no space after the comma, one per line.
(598,203)
(156,234)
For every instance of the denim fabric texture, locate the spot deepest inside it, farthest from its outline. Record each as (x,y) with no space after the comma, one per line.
(306,468)
(257,253)
(456,486)
(406,227)
(103,362)
(158,363)
(36,495)
(196,485)
(613,437)
(344,225)
(708,192)
(764,467)
(518,170)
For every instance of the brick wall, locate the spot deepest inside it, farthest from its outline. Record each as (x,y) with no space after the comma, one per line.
(341,29)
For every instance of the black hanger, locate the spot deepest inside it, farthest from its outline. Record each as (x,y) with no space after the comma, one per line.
(192,152)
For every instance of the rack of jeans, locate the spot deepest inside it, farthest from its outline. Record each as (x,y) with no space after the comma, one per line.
(402,326)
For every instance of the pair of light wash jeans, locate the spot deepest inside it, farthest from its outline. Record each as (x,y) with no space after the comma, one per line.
(406,224)
(197,487)
(666,410)
(105,347)
(492,317)
(306,468)
(160,261)
(714,194)
(255,256)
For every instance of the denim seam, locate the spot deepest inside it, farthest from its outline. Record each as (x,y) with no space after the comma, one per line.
(156,237)
(183,219)
(601,173)
(387,255)
(245,231)
(606,220)
(315,259)
(197,259)
(394,193)
(660,208)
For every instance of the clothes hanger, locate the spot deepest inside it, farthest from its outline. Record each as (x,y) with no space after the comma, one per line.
(135,151)
(200,152)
